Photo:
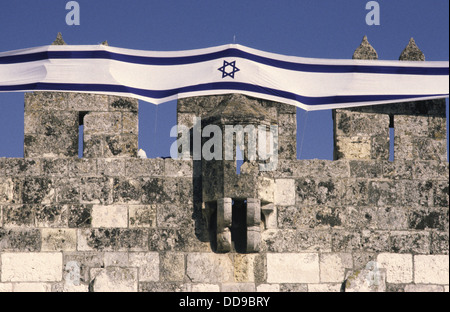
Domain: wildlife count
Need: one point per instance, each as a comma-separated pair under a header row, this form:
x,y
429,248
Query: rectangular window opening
x,y
81,134
391,137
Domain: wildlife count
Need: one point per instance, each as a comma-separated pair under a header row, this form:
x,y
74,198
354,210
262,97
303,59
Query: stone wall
x,y
113,222
130,224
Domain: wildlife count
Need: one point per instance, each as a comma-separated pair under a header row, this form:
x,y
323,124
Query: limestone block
x,y
15,167
18,216
296,241
59,240
266,190
148,264
32,287
20,239
417,242
112,167
103,123
130,123
423,288
114,279
245,266
110,216
268,288
79,216
6,190
116,259
178,168
6,287
87,102
120,145
145,167
37,101
369,279
238,287
293,268
38,191
333,266
399,267
112,239
172,266
324,288
284,192
431,269
209,268
55,167
97,190
205,288
142,216
82,167
31,267
123,104
353,148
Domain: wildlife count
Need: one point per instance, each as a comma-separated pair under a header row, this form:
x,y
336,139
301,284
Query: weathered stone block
x,y
37,101
51,216
296,241
113,239
124,104
102,123
423,288
399,267
439,243
293,268
20,240
333,266
130,123
31,267
82,167
148,264
172,267
410,242
369,279
431,269
115,216
16,167
67,190
145,167
97,190
84,261
38,191
59,240
209,268
87,102
120,145
142,216
284,192
238,287
111,167
375,241
114,279
79,216
55,167
18,216
324,288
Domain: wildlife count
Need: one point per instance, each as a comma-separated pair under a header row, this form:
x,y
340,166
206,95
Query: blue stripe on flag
x,y
160,94
232,52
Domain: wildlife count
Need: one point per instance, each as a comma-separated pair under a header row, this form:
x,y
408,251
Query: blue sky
x,y
307,28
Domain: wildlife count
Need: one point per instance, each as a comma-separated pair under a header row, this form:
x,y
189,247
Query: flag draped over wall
x,y
157,77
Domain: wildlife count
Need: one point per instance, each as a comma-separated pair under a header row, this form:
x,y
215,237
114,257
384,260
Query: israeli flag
x,y
157,77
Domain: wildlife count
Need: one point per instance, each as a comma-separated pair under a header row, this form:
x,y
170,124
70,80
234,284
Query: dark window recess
x,y
391,137
239,225
81,134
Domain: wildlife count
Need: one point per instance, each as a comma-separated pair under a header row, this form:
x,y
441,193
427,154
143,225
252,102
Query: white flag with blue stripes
x,y
157,77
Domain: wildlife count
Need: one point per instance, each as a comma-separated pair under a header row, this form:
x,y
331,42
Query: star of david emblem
x,y
226,73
